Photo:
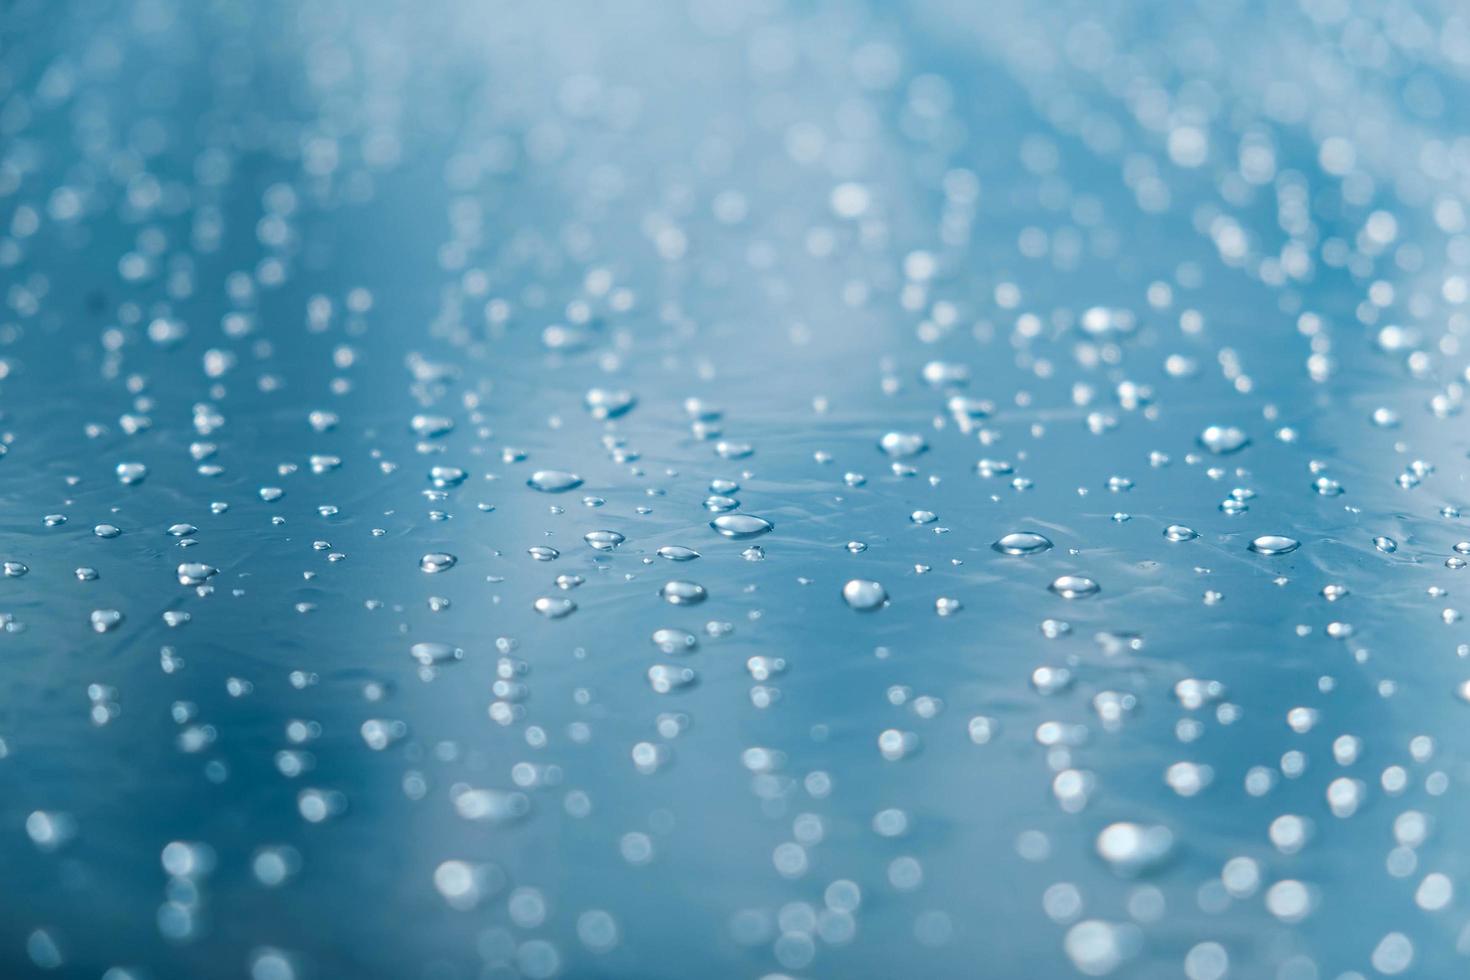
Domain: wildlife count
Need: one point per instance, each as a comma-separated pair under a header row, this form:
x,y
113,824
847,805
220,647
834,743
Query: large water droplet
x,y
554,481
1222,440
1022,543
682,593
741,525
665,678
131,473
604,403
195,573
105,620
902,445
671,640
429,426
445,477
864,595
1274,544
1132,849
555,607
1074,587
438,561
432,654
1180,532
674,552
603,540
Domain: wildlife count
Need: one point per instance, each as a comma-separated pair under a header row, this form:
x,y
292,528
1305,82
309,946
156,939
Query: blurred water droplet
x,y
1074,587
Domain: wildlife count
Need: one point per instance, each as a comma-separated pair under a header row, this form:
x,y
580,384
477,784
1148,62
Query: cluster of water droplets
x,y
694,510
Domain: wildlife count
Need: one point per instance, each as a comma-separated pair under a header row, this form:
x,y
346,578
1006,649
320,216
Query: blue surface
x,y
342,276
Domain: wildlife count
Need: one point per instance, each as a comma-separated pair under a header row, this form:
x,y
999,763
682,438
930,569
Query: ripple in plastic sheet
x,y
747,489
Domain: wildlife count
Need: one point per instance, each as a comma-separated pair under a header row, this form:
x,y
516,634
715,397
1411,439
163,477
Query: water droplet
x,y
942,374
1022,543
542,552
671,640
445,477
1327,486
1074,587
674,552
195,573
1132,849
433,654
1385,544
430,426
603,540
438,561
130,474
554,481
902,445
1274,544
741,525
1180,532
665,678
682,593
604,403
105,620
864,595
1222,440
555,607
